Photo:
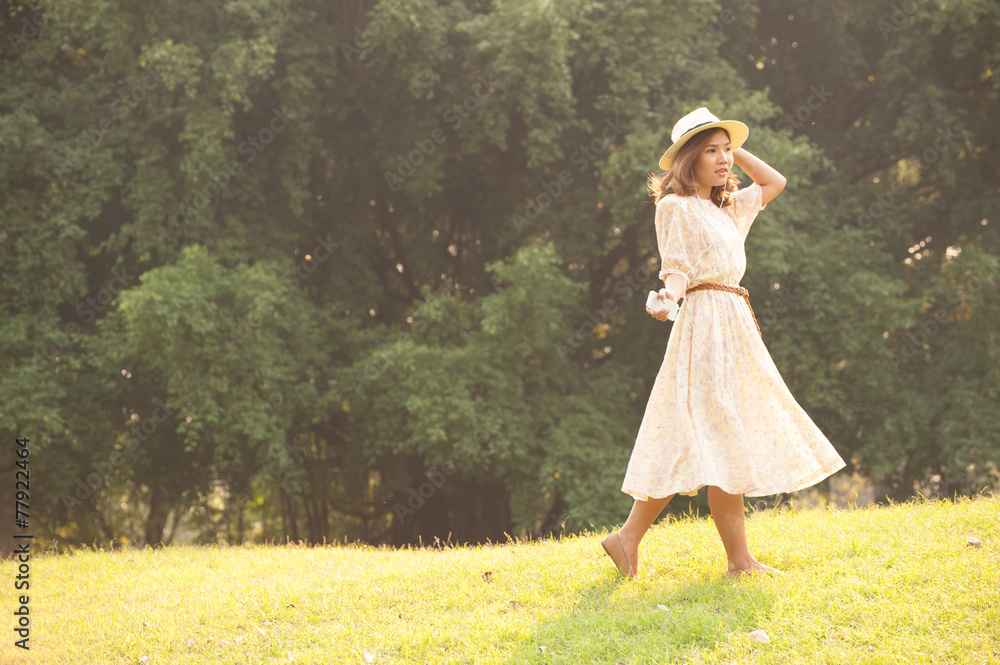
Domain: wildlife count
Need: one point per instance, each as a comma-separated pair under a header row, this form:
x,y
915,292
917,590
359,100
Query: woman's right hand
x,y
662,314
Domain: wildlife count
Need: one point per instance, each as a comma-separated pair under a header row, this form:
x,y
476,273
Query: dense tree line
x,y
321,271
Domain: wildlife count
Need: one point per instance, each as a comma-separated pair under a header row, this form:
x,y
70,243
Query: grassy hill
x,y
896,584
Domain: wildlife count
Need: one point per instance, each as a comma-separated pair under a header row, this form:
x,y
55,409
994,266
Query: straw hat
x,y
695,122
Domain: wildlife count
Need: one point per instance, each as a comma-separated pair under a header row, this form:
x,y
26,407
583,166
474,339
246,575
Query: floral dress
x,y
719,413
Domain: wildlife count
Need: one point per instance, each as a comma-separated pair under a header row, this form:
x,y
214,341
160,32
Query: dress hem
x,y
809,481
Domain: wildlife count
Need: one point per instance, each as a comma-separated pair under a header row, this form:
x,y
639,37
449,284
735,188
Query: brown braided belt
x,y
732,289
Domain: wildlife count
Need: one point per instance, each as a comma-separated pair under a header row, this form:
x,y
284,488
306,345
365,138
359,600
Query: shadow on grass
x,y
613,624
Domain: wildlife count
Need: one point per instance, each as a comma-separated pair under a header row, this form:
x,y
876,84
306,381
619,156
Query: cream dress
x,y
719,413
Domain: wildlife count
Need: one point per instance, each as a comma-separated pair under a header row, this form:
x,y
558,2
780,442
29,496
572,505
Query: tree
x,y
243,212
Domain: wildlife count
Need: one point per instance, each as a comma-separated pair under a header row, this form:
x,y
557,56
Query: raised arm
x,y
771,182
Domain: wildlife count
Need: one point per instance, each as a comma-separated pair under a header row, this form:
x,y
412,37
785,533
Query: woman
x,y
719,414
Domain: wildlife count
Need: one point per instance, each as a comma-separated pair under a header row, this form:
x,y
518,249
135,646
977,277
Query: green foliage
x,y
387,270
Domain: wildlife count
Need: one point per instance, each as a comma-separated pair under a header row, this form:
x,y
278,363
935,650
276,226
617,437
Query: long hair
x,y
680,180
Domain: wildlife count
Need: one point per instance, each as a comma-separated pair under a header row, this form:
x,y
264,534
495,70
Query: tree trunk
x,y
156,521
173,526
553,524
288,516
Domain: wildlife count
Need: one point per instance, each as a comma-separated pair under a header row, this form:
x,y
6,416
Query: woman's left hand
x,y
659,316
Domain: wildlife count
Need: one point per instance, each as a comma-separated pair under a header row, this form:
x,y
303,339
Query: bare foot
x,y
736,571
631,548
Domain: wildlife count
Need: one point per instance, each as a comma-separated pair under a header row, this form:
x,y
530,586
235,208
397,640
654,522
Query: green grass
x,y
895,584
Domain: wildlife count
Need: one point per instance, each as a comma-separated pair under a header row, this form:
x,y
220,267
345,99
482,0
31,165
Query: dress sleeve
x,y
746,205
674,240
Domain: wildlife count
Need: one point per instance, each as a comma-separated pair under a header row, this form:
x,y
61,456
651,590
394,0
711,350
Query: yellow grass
x,y
895,584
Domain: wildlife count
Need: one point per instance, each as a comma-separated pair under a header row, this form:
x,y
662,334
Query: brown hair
x,y
679,179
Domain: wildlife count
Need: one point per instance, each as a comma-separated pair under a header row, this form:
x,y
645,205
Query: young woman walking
x,y
719,414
